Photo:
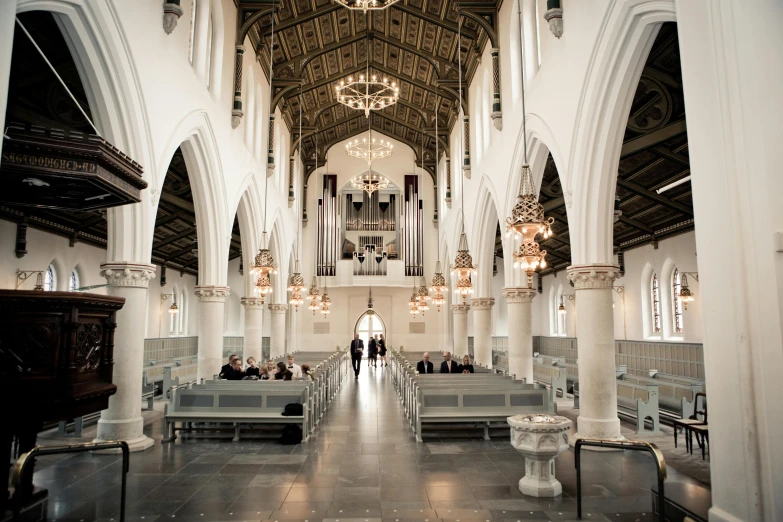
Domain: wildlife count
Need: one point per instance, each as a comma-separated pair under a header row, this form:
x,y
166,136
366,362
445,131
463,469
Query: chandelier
x,y
368,181
438,285
263,266
463,266
686,296
367,93
313,296
527,221
369,149
295,285
423,295
263,287
325,302
414,302
366,5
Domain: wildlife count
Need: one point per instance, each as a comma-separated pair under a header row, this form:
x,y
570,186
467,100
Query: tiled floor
x,y
363,465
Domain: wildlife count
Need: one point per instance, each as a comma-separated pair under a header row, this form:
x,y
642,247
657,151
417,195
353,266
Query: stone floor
x,y
363,465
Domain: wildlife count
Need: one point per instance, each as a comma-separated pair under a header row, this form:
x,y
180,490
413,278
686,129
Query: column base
x,y
605,429
140,444
536,487
129,430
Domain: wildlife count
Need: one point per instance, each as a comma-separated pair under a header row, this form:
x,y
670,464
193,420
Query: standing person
x,y
283,373
424,366
382,350
372,352
448,366
466,366
357,347
294,368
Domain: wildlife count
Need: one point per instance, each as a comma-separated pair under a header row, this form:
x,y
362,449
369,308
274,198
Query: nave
x,y
362,465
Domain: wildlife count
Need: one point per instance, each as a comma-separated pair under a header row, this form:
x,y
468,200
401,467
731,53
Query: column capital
x,y
212,294
519,295
593,276
460,308
277,308
482,303
128,274
252,303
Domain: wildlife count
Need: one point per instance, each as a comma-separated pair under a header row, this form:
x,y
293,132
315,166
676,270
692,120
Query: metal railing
x,y
649,447
22,482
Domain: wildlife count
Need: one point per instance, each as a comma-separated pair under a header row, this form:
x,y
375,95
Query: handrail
x,y
28,458
649,447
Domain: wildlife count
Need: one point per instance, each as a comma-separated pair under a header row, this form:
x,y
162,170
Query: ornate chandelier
x,y
295,285
686,296
263,266
366,5
463,266
414,302
369,149
438,285
314,296
325,302
367,93
368,181
423,295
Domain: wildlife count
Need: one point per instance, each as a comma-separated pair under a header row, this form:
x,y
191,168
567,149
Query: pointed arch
x,y
485,223
250,217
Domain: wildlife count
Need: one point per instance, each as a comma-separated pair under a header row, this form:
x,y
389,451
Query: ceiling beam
x,y
652,139
301,61
176,237
178,253
444,24
302,18
553,204
484,24
658,198
168,219
438,63
87,224
178,202
637,225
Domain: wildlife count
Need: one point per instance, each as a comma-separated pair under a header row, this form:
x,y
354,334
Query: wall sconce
x,y
173,309
24,275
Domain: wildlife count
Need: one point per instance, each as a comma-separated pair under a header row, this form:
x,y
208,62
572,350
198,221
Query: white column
x,y
200,38
277,340
7,26
482,330
732,99
520,332
530,39
254,318
211,313
460,312
122,420
595,341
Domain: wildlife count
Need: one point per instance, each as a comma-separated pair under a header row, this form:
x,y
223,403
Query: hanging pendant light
x,y
314,296
368,181
296,282
423,295
438,281
561,309
463,263
686,296
369,302
325,302
367,92
263,266
414,302
527,217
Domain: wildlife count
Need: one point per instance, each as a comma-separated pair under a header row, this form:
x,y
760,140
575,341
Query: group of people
x,y
447,366
376,348
281,371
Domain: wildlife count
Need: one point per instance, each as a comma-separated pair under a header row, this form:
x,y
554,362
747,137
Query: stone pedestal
x,y
595,339
254,319
460,312
539,438
122,420
210,329
482,330
520,332
277,340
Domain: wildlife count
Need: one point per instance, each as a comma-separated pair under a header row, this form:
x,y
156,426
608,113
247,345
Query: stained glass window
x,y
655,295
676,302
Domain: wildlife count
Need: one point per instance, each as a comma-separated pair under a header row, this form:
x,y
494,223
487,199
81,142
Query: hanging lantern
x,y
296,281
463,266
263,287
325,302
686,296
263,266
561,309
526,222
414,303
423,295
313,296
296,299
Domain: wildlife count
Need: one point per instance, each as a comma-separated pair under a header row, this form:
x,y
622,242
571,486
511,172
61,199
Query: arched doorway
x,y
368,325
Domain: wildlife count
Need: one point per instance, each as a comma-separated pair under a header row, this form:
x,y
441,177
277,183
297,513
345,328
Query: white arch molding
x,y
485,224
370,323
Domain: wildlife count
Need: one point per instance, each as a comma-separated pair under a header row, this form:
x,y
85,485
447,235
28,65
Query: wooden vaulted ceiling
x,y
654,154
317,43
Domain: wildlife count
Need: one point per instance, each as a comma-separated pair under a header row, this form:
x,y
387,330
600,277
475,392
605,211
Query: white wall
x,y
158,323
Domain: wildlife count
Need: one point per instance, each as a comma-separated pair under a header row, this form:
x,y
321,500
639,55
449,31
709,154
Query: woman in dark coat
x,y
382,350
283,374
466,367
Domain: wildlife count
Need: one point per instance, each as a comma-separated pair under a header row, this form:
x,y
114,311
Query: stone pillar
x,y
530,39
7,26
254,318
460,312
482,330
122,420
595,340
277,339
236,112
520,332
211,313
497,114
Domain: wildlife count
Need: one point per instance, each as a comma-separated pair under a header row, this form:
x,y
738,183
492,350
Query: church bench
x,y
677,379
641,402
674,399
551,376
479,406
232,406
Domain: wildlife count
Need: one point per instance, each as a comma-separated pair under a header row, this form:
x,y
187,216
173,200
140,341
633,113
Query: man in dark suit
x,y
448,366
425,366
235,373
227,367
357,347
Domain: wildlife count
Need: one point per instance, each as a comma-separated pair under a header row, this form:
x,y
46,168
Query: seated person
x,y
448,366
294,368
252,368
307,373
466,367
235,373
283,373
271,369
263,374
227,367
425,366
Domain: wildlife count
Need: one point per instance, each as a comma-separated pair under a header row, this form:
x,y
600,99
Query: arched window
x,y
560,312
368,325
74,283
183,313
676,302
50,279
552,312
655,304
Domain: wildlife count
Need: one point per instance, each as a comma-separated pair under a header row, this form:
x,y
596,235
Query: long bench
x,y
640,402
676,400
238,407
551,376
